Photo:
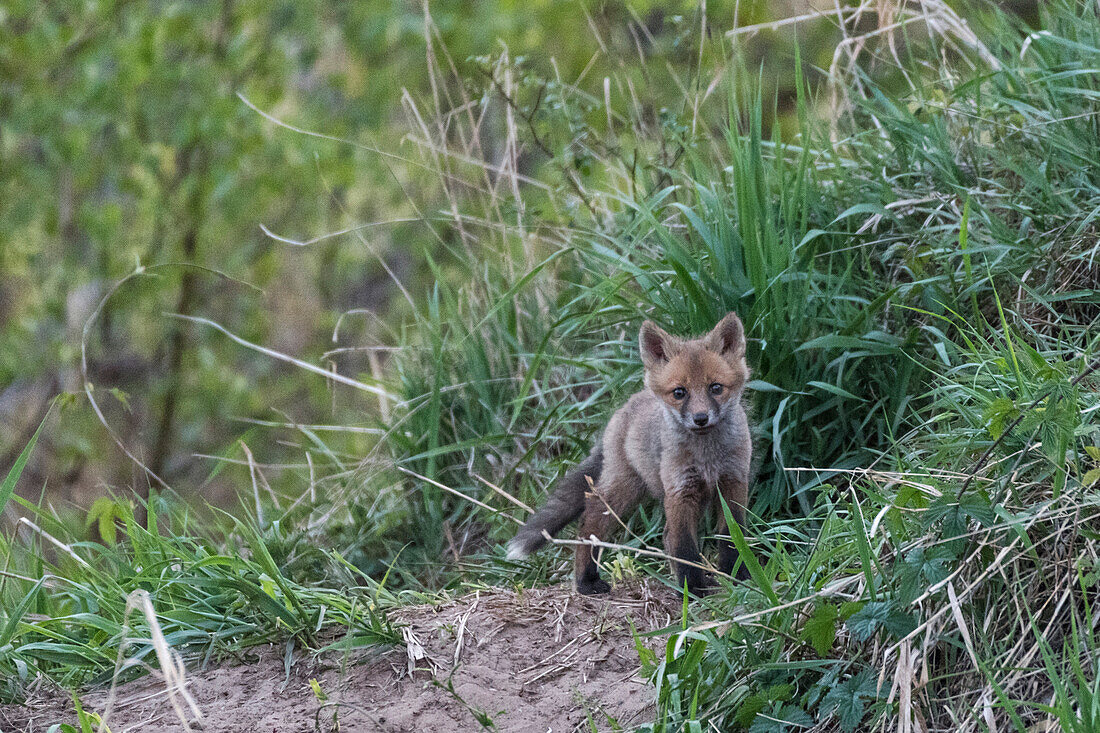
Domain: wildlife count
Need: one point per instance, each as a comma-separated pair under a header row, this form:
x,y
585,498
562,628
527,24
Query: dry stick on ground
x,y
505,494
592,491
593,541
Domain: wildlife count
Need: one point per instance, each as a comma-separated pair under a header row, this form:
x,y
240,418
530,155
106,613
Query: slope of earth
x,y
535,660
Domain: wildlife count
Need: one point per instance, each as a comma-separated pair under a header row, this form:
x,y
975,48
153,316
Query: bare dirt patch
x,y
536,660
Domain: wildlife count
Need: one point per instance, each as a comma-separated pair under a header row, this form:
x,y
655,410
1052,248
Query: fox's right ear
x,y
657,346
728,337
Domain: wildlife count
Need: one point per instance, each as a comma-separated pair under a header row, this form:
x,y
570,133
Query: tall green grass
x,y
918,280
858,263
216,591
918,276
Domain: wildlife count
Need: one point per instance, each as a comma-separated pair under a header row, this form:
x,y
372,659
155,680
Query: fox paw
x,y
702,590
698,583
595,587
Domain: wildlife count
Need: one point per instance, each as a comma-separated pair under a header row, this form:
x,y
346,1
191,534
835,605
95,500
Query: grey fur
x,y
564,505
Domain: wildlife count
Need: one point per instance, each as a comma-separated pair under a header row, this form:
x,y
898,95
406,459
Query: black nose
x,y
700,418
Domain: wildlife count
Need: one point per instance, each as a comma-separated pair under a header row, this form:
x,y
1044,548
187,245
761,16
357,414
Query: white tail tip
x,y
516,550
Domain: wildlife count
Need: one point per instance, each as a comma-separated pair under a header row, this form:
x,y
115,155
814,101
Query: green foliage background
x,y
126,142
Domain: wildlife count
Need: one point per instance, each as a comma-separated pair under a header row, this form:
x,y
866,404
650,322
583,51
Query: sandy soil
x,y
539,660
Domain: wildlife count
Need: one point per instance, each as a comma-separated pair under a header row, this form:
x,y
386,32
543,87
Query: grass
x,y
211,597
917,274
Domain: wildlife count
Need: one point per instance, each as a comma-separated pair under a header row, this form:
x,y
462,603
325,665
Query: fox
x,y
683,440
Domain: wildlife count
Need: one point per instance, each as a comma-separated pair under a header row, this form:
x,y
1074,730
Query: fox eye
x,y
679,393
716,388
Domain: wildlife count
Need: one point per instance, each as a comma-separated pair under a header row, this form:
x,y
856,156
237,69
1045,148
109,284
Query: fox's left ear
x,y
657,346
728,337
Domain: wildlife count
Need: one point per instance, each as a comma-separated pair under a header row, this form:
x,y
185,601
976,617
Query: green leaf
x,y
997,413
751,563
65,654
122,397
838,341
1091,477
785,719
820,629
749,709
977,507
923,566
83,718
955,515
835,390
848,699
758,701
16,614
885,615
864,208
104,511
8,486
863,545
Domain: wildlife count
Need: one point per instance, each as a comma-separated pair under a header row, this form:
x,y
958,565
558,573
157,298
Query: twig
x,y
377,391
458,493
505,494
593,541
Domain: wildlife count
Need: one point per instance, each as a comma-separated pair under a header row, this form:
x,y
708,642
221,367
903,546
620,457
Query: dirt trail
x,y
538,660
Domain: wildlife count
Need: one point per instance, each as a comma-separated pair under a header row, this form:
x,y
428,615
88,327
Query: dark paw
x,y
742,573
698,583
594,587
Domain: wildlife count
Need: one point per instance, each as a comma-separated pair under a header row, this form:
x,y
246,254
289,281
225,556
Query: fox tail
x,y
563,506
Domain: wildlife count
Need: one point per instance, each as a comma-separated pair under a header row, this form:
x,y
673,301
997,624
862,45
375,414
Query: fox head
x,y
697,380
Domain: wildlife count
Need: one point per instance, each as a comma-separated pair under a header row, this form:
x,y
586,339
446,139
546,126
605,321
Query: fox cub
x,y
681,439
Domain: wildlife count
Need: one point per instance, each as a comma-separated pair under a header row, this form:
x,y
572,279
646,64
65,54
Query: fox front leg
x,y
683,509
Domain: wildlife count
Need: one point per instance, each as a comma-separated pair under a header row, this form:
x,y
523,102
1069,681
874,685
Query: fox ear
x,y
656,345
728,337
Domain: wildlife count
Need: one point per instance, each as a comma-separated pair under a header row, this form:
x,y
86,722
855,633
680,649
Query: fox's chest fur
x,y
667,457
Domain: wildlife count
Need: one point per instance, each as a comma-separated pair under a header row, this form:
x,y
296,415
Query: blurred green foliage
x,y
126,142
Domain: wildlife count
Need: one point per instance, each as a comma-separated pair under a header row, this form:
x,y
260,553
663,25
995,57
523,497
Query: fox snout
x,y
697,420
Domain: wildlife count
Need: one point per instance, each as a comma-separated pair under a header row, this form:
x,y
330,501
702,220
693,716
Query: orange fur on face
x,y
695,379
696,368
